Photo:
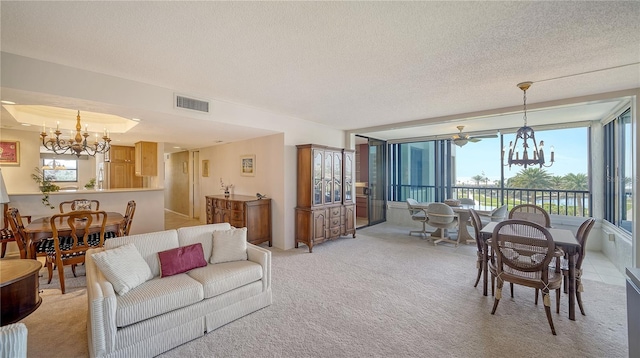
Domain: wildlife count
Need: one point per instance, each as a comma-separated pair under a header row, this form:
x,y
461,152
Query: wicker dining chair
x,y
477,226
523,251
70,247
531,212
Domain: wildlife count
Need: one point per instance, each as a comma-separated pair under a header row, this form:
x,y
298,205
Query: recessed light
x,y
176,147
26,124
7,102
135,119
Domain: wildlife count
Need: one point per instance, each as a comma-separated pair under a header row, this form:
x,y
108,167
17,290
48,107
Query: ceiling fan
x,y
460,139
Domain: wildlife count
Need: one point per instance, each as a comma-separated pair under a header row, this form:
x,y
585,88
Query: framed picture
x,y
248,165
10,152
205,168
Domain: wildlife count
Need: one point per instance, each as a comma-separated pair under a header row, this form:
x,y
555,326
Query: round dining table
x,y
40,229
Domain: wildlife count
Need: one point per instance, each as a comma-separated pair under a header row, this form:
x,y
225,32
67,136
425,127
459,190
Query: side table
x,y
19,286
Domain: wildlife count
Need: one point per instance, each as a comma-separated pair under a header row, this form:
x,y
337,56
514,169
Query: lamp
x,y
76,145
527,135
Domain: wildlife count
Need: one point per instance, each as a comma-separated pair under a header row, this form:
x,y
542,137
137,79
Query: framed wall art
x,y
9,152
205,168
248,165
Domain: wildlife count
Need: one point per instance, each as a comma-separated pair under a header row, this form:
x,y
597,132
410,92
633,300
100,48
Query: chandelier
x,y
77,145
528,138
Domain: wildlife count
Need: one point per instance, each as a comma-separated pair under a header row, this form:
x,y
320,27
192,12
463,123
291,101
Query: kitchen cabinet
x,y
122,168
146,159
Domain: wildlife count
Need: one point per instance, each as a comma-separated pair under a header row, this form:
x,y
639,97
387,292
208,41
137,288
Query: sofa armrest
x,y
101,320
261,256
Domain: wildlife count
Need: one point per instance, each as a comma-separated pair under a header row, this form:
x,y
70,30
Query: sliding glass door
x,y
377,204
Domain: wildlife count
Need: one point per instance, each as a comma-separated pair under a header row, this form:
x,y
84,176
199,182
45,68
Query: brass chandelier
x,y
77,145
527,136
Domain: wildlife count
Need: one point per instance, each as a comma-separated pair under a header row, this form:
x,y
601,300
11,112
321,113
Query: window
x,y
618,158
420,170
60,170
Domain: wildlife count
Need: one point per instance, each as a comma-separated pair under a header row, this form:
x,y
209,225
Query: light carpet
x,y
383,294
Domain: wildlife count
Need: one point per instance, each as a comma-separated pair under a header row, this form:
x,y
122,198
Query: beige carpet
x,y
388,295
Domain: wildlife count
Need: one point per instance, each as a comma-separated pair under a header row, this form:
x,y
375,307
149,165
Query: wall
x,y
177,183
18,177
76,85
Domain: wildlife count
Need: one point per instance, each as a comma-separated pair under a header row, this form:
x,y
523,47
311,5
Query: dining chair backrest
x,y
128,218
79,204
17,230
410,204
581,236
476,222
440,213
532,213
525,247
467,201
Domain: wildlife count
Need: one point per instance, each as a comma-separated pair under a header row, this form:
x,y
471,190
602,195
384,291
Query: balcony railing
x,y
554,201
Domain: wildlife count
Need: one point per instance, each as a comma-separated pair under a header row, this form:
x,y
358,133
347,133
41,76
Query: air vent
x,y
192,103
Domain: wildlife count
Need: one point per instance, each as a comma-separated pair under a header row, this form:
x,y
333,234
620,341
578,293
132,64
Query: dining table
x,y
563,238
463,214
40,229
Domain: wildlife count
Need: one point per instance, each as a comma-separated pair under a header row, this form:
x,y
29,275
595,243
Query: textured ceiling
x,y
345,64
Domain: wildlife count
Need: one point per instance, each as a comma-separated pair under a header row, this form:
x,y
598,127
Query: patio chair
x,y
497,214
417,214
441,216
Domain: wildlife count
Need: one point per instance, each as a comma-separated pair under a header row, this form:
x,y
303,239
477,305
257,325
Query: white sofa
x,y
163,313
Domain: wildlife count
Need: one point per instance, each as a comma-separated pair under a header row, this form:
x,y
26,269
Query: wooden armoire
x,y
326,202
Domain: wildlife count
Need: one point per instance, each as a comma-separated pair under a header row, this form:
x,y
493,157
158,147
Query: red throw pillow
x,y
181,259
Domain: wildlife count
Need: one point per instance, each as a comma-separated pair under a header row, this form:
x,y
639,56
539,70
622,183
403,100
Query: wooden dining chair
x,y
41,248
7,234
531,212
79,204
523,251
128,219
73,235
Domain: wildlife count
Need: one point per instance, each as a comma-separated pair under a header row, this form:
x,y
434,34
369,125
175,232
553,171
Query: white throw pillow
x,y
229,245
124,267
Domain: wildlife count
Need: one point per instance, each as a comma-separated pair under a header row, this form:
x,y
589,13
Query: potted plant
x,y
46,186
91,184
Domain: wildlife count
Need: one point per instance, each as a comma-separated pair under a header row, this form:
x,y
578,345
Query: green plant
x,y
91,184
46,186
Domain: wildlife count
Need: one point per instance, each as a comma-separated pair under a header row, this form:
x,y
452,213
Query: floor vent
x,y
192,103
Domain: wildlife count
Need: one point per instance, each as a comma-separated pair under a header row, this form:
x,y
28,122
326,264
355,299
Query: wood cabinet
x,y
146,159
122,168
242,211
325,198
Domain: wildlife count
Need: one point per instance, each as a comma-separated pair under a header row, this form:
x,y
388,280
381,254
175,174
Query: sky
x,y
570,155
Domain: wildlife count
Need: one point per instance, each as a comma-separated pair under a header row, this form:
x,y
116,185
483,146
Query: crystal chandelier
x,y
527,136
77,145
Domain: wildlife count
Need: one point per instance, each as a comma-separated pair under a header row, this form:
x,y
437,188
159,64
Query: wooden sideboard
x,y
242,211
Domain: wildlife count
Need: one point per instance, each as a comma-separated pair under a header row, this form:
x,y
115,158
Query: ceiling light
x,y
76,145
527,135
7,102
135,119
26,124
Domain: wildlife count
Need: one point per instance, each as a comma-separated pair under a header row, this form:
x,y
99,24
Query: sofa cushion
x,y
148,245
229,245
157,296
220,278
200,234
181,259
124,267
